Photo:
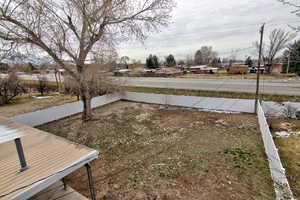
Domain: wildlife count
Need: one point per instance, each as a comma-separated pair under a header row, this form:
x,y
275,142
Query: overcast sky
x,y
223,24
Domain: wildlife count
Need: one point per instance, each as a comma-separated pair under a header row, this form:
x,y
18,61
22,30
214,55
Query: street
x,y
284,87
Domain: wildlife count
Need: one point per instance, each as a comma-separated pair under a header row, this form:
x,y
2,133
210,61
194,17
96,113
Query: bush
x,y
10,87
42,84
99,84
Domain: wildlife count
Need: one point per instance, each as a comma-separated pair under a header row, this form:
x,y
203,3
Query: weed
x,y
241,159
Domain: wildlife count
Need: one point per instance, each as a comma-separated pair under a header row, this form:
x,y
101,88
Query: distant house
x,y
277,68
238,69
169,70
121,69
117,67
203,69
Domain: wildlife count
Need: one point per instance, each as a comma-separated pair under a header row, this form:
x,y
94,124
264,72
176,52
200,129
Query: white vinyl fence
x,y
282,188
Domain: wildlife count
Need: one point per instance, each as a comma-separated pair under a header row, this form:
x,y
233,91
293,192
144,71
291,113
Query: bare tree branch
x,y
78,29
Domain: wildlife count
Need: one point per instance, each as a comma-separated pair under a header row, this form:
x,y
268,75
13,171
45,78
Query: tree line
x,y
204,56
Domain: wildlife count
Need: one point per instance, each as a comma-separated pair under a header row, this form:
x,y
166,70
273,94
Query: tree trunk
x,y
86,99
57,84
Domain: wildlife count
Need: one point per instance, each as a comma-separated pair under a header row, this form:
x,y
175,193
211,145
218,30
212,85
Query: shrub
x,y
10,87
42,84
99,84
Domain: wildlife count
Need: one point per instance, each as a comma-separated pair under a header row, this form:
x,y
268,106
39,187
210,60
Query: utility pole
x,y
258,69
289,60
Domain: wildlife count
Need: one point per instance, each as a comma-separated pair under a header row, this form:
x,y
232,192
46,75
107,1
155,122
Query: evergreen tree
x,y
155,62
294,51
249,62
149,62
170,61
152,62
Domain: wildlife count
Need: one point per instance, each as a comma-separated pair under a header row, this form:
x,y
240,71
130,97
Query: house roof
x,y
49,158
198,67
169,70
204,67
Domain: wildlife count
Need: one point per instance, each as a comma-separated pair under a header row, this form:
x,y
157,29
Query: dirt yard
x,y
289,150
25,104
170,153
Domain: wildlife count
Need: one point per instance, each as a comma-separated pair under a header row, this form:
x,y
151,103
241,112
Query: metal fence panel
x,y
59,112
209,103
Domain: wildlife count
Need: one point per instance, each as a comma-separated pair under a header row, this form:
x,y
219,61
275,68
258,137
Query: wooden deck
x,y
57,192
50,158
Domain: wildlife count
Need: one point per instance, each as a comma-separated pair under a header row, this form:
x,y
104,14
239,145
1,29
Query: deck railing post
x,y
91,182
21,155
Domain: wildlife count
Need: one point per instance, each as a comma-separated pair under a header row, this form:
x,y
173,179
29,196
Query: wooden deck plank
x,y
46,155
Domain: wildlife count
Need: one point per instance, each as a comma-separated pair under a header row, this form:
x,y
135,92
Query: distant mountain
x,y
25,59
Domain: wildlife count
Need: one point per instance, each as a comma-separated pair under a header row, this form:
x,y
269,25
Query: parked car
x,y
297,114
121,72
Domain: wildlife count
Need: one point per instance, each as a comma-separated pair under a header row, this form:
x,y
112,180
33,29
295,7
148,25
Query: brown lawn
x,y
24,104
169,153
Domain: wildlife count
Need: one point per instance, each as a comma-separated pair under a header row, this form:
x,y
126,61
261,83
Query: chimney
x,y
21,155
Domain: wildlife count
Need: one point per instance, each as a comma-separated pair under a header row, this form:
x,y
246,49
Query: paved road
x,y
287,87
50,77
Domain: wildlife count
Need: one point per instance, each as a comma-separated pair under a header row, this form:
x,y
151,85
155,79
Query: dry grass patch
x,y
289,151
169,153
218,94
25,104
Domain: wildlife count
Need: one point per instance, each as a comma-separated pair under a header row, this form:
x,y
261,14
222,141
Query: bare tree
x,y
278,40
99,84
74,30
293,5
189,60
10,87
124,60
205,55
7,48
